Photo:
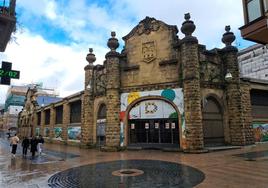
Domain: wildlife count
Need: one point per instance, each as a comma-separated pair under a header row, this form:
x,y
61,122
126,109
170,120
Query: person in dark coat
x,y
25,145
34,143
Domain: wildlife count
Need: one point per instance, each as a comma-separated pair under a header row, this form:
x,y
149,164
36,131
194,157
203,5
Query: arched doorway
x,y
153,123
212,122
101,122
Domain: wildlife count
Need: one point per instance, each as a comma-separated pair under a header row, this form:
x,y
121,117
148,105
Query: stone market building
x,y
160,91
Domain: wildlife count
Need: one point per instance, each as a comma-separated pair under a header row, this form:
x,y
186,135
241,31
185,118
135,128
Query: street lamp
x,y
228,76
89,85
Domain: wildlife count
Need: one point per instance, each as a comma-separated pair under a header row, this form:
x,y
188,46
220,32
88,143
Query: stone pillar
x,y
33,125
66,120
238,97
191,88
42,124
88,103
112,96
52,121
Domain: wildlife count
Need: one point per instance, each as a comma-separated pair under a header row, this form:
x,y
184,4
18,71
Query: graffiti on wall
x,y
37,131
74,133
153,108
46,132
260,132
58,132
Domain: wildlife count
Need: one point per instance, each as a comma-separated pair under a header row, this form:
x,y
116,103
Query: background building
x,y
253,62
15,101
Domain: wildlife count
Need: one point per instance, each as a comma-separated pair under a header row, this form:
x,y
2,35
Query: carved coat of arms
x,y
148,51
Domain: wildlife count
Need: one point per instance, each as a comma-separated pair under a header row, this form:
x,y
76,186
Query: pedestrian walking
x,y
40,144
34,143
14,140
25,145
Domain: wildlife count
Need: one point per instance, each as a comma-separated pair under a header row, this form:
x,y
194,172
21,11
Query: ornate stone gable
x,y
147,49
148,25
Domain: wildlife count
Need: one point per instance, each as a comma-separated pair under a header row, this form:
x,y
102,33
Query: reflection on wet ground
x,y
47,155
155,174
253,156
24,169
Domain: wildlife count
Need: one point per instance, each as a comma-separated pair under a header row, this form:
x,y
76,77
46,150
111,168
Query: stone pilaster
x,y
237,96
113,96
52,121
247,114
191,88
66,120
42,124
33,125
88,103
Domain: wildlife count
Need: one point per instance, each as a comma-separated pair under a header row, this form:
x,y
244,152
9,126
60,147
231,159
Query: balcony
x,y
256,21
7,22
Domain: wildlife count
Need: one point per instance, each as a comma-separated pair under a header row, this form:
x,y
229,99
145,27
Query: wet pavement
x,y
67,166
134,173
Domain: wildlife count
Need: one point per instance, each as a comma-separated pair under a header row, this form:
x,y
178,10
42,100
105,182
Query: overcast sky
x,y
53,36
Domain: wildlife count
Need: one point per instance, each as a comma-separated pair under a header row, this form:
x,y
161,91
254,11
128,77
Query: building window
x,y
39,118
59,112
47,117
75,116
254,9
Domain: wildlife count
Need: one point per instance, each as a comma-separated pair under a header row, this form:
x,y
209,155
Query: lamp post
x,y
228,76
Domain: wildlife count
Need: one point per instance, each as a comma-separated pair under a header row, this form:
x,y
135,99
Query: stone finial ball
x,y
90,56
113,42
228,37
188,26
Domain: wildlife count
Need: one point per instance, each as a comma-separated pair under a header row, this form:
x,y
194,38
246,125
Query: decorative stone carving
x,y
148,51
99,80
148,25
210,72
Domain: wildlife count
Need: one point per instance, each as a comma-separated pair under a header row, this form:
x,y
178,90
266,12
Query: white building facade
x,y
253,62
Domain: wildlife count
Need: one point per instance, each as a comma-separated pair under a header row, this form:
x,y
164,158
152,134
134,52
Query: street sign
x,y
6,73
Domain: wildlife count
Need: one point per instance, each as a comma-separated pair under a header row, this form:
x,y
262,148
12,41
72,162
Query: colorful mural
x,y
153,108
260,132
74,133
58,132
46,132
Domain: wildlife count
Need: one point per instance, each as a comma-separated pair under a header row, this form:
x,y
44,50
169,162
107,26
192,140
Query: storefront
x,y
153,118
